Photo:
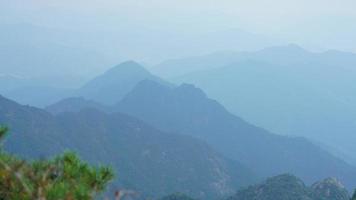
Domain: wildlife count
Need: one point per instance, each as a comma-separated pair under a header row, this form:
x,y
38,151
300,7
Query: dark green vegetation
x,y
288,187
145,159
64,177
330,189
354,196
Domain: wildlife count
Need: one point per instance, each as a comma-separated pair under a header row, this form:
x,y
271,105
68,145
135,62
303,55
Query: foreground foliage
x,y
64,177
354,196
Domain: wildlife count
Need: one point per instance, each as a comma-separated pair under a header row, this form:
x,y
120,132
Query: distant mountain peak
x,y
74,104
152,88
115,83
290,48
127,66
191,90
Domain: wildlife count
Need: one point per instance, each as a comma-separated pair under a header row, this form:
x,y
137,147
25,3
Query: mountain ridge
x,y
289,187
187,110
146,159
121,79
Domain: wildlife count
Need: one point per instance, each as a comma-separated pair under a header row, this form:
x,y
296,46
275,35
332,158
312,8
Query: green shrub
x,y
63,177
354,196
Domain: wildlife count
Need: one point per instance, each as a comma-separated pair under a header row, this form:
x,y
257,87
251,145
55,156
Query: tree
x,y
354,196
63,177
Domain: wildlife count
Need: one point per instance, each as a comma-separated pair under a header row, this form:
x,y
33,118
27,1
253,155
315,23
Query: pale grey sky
x,y
324,23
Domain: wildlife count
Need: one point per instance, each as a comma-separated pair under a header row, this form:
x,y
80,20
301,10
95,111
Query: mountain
x,y
289,187
145,159
286,90
74,104
176,196
280,55
106,89
111,86
174,68
187,110
330,189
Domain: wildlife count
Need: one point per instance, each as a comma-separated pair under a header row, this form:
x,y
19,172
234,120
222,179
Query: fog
x,y
314,24
214,99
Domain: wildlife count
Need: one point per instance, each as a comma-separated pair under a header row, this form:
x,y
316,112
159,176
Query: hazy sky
x,y
325,23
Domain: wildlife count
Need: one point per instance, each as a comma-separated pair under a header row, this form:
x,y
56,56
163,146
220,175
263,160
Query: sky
x,y
318,24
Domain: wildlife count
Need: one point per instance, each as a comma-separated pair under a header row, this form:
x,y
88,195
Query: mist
x,y
178,100
316,25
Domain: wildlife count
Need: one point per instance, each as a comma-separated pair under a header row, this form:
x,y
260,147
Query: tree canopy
x,y
63,177
354,196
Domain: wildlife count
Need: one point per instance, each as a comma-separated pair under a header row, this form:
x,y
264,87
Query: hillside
x,y
187,110
147,160
74,104
107,88
289,187
287,90
115,83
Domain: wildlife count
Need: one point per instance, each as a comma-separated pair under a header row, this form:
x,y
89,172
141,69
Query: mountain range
x,y
107,88
145,159
175,125
287,90
115,83
187,110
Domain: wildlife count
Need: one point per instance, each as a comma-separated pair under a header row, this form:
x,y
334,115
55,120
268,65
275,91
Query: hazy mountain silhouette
x,y
111,86
280,55
107,88
286,90
187,110
96,47
145,159
75,104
